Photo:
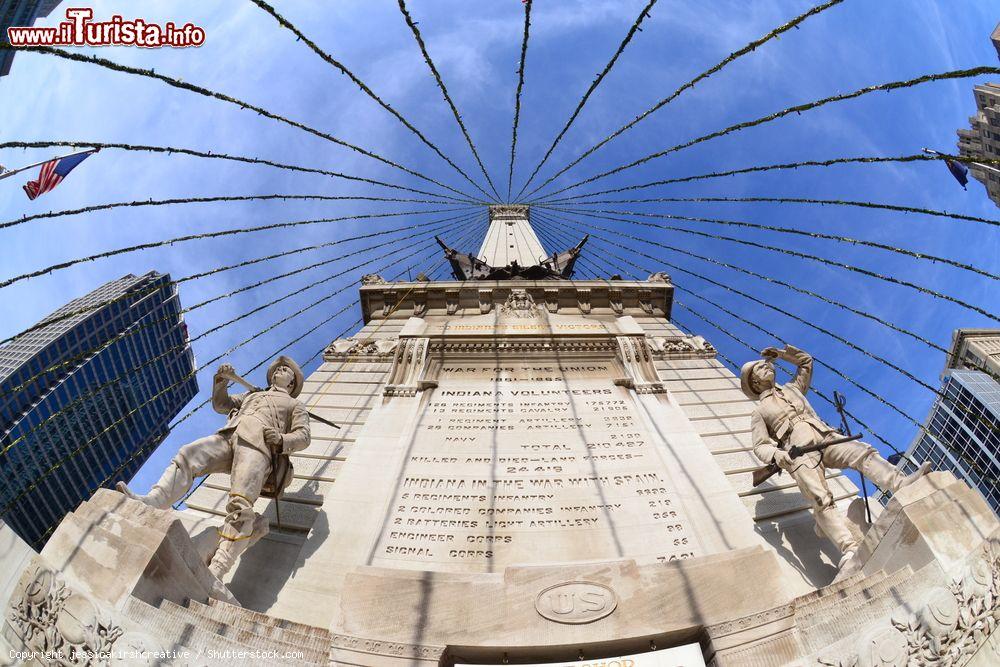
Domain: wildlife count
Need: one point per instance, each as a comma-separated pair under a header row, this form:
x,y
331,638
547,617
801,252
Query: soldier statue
x,y
264,427
783,418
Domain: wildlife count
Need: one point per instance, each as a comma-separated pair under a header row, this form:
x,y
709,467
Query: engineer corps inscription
x,y
530,462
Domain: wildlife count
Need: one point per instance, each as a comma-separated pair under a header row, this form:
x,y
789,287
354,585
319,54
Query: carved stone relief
x,y
687,346
636,357
409,369
946,631
344,347
52,619
519,305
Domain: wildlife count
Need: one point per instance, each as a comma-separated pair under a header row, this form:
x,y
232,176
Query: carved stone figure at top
x,y
519,304
263,428
784,418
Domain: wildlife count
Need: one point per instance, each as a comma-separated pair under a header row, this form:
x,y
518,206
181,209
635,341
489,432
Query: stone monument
x,y
530,469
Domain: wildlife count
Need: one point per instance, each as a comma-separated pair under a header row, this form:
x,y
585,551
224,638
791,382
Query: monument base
x,y
122,580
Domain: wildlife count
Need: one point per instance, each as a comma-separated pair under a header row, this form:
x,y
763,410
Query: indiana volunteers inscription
x,y
532,462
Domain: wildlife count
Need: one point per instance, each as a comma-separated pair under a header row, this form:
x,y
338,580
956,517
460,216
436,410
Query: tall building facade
x,y
20,13
982,140
963,428
88,395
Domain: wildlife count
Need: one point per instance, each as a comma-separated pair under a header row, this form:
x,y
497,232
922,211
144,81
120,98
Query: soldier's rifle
x,y
764,473
252,387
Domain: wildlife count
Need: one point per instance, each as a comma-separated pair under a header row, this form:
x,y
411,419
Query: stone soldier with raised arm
x,y
263,428
783,418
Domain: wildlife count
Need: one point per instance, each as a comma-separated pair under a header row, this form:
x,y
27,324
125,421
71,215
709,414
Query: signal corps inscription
x,y
531,463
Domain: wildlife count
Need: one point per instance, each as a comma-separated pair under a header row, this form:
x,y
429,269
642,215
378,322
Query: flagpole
x,y
6,174
978,164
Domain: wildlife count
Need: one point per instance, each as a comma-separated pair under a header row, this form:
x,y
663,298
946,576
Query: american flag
x,y
53,172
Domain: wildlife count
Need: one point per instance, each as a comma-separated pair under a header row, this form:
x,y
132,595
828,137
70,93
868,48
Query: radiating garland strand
x,y
593,86
177,83
205,235
517,94
749,48
202,200
793,230
799,108
169,150
815,258
772,280
444,91
285,23
797,200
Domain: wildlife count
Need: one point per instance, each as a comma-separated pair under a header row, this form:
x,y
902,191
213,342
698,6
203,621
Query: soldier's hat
x,y
287,361
745,374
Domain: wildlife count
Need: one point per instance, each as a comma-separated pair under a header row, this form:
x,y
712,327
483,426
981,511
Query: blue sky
x,y
476,47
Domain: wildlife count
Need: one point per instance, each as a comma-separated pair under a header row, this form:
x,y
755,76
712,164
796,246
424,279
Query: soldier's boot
x,y
834,526
235,535
887,476
173,484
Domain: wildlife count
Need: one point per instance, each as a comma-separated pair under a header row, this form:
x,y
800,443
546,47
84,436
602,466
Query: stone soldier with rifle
x,y
784,419
263,428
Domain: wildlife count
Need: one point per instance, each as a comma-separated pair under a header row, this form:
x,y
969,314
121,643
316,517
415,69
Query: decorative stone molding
x,y
523,346
373,279
409,369
615,300
389,298
519,305
552,300
485,301
451,301
419,303
658,277
635,355
583,299
379,647
645,300
682,347
946,631
52,619
367,347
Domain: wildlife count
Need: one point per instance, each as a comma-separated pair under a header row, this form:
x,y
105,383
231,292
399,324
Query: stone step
x,y
807,604
262,636
876,598
181,633
864,610
238,638
259,617
268,626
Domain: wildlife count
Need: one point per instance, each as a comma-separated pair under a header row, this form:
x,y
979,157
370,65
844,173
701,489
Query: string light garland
x,y
749,48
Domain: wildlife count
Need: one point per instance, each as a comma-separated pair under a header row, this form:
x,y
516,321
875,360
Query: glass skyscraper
x,y
963,428
86,396
19,13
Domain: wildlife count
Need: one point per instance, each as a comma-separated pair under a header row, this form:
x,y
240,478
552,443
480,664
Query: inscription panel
x,y
531,463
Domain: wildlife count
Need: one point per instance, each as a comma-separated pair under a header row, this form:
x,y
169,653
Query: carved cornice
x,y
404,299
367,349
688,347
546,346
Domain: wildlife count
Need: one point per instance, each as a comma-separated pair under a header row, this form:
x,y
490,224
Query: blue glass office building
x,y
20,13
962,431
86,396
